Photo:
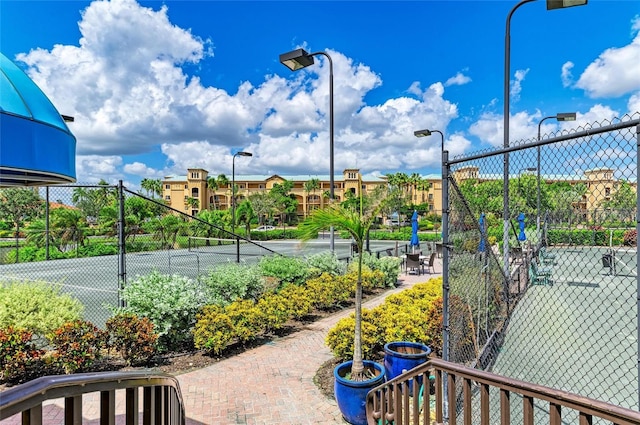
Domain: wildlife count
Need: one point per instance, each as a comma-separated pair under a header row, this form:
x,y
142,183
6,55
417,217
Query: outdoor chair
x,y
539,275
546,257
431,263
413,263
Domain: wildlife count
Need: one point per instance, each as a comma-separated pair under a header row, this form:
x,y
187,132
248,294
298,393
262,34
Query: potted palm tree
x,y
354,378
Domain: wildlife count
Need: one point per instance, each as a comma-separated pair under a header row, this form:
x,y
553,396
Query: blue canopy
x,y
521,235
414,242
37,146
481,246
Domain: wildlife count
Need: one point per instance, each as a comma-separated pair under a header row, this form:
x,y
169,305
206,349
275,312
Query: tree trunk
x,y
357,367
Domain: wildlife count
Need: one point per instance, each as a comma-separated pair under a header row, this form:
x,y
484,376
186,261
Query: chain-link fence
x,y
76,240
564,312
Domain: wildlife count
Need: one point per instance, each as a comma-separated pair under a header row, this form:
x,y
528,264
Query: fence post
x,y
46,225
445,269
122,272
638,257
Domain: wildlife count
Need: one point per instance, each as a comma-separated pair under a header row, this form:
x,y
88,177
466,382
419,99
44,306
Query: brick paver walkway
x,y
270,384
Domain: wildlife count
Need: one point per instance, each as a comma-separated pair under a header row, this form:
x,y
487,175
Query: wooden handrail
x,y
162,397
389,399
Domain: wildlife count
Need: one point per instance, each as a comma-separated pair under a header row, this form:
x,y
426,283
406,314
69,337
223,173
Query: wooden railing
x,y
393,403
161,397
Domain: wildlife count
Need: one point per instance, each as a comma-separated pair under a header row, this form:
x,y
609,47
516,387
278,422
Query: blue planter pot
x,y
351,396
402,356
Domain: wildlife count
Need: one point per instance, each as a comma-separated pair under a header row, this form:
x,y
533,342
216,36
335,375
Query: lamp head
x,y
561,4
566,116
296,59
243,154
422,133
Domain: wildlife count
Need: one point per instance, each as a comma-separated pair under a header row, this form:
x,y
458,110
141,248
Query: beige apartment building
x,y
181,192
191,194
601,183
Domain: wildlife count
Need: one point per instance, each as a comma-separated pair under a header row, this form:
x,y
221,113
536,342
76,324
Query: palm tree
x,y
357,223
245,213
311,185
212,184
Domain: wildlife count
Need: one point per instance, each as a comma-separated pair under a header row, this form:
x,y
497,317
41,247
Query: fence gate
x,y
564,313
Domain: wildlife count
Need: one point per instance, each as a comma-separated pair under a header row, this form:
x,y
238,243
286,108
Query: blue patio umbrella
x,y
37,146
414,242
521,235
481,246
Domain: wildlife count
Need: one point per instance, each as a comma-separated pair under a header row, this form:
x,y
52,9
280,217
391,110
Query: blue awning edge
x,y
36,146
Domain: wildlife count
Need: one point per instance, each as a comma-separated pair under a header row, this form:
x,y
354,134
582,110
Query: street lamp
x,y
551,4
233,188
298,59
425,133
562,116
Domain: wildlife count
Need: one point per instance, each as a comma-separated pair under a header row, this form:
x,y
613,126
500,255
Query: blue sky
x,y
156,87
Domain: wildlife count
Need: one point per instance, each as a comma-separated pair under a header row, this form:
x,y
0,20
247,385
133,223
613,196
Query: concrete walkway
x,y
270,384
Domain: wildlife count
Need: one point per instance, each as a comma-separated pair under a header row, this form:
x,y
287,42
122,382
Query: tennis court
x,y
580,333
94,280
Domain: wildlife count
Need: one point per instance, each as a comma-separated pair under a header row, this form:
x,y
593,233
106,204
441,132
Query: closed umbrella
x,y
521,235
414,242
481,246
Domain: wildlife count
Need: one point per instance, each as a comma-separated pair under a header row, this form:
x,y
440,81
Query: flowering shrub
x,y
630,237
133,337
325,262
37,306
285,269
77,345
230,282
171,302
213,330
18,354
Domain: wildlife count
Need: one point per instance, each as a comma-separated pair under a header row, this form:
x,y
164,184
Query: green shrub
x,y
405,316
77,345
327,291
325,262
133,337
213,330
275,310
300,304
18,354
246,319
340,337
371,279
37,306
285,269
171,302
231,282
389,266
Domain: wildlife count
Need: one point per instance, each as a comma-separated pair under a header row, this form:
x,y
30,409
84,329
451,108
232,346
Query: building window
x,y
195,175
167,186
607,191
186,186
194,192
364,187
430,207
430,197
167,197
261,186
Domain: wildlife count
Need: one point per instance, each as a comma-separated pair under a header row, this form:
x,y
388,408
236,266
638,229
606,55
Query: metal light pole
x,y
298,59
445,256
551,4
233,188
563,116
